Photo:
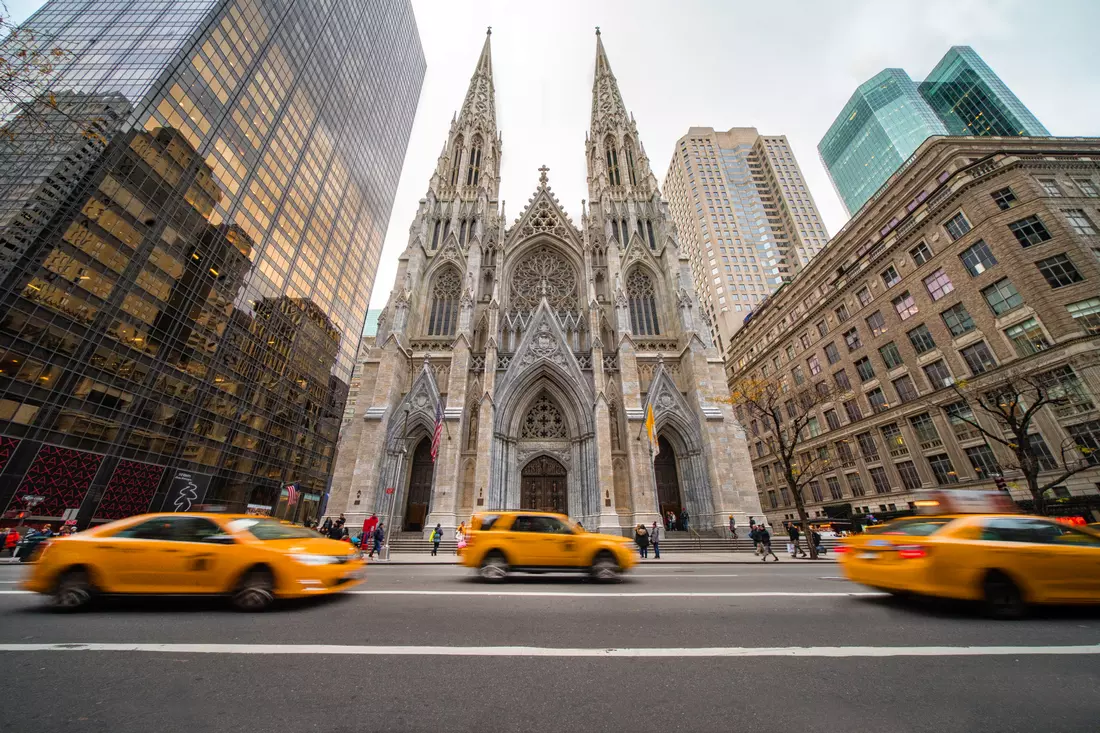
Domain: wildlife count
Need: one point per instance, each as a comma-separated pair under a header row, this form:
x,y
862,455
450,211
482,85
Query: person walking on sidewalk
x,y
379,537
754,535
655,538
369,524
766,544
460,537
733,527
641,537
437,537
684,520
792,534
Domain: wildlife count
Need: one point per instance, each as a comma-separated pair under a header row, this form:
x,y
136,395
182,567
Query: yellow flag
x,y
651,430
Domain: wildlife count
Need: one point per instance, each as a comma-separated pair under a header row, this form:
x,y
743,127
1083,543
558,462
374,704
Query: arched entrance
x,y
420,486
543,486
668,482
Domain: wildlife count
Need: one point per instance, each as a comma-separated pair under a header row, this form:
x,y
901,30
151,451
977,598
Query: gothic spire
x,y
479,109
608,109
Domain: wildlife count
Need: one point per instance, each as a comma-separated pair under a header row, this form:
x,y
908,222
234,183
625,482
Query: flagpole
x,y
653,474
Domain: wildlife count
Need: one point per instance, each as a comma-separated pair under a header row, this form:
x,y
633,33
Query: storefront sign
x,y
186,491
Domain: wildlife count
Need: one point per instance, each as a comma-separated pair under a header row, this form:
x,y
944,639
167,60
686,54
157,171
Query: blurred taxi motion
x,y
252,560
974,545
542,542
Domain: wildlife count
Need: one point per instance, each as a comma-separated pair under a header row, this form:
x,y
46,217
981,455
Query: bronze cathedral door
x,y
543,486
420,486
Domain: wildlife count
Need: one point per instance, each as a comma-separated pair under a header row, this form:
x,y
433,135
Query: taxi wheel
x,y
494,568
1002,597
73,591
256,591
605,568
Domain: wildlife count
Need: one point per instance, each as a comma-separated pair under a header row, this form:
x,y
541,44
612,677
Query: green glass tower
x,y
881,126
972,100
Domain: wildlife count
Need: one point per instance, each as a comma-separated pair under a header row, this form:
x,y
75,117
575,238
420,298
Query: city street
x,y
674,647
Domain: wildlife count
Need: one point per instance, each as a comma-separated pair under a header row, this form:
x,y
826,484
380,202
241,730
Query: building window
x,y
864,369
890,277
978,357
1028,337
786,496
1086,313
1004,198
834,488
961,416
474,170
1087,435
956,226
844,453
814,365
832,354
649,233
920,254
910,479
938,374
841,314
1063,384
891,357
1050,187
444,313
1079,222
983,461
867,447
864,295
814,427
921,339
855,483
804,339
832,419
1041,452
1087,187
907,391
773,499
456,169
895,444
879,480
1002,296
612,156
852,339
842,380
1059,271
958,320
1030,231
942,469
905,305
790,352
851,409
877,323
938,284
796,372
877,398
978,258
822,329
925,430
643,304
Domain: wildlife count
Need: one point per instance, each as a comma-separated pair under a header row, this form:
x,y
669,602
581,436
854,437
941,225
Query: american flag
x,y
291,494
437,433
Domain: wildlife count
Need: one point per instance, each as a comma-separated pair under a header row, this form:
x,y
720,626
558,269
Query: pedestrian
x,y
379,536
766,544
460,537
437,537
671,520
369,524
793,546
733,527
11,540
754,535
684,520
655,538
815,537
327,526
641,537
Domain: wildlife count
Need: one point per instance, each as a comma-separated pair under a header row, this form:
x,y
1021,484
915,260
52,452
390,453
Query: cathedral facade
x,y
537,347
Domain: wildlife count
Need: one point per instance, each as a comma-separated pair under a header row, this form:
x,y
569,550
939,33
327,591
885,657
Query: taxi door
x,y
142,558
1019,546
211,558
1076,559
561,546
524,541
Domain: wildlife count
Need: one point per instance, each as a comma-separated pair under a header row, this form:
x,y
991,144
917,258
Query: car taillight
x,y
912,552
841,549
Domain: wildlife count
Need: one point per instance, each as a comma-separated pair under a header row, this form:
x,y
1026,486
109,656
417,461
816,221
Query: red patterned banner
x,y
130,490
61,476
7,447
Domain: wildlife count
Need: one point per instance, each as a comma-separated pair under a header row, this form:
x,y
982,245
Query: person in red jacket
x,y
368,526
11,540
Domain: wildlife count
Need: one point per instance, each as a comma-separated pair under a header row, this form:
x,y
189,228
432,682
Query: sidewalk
x,y
667,558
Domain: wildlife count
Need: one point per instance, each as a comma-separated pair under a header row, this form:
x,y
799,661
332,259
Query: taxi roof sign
x,y
965,501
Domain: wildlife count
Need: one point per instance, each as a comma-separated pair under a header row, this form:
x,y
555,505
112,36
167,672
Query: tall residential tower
x,y
745,217
187,264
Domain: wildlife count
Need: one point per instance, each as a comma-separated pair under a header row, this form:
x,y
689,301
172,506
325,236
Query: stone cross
x,y
543,178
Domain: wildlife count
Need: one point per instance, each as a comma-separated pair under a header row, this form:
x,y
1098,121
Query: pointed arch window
x,y
444,314
463,231
474,170
612,161
649,230
456,169
630,163
643,304
435,233
544,421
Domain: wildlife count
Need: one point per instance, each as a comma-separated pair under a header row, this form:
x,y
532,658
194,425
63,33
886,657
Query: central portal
x,y
543,486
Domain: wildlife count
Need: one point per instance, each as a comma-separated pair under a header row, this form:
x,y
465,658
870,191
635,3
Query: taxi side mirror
x,y
220,539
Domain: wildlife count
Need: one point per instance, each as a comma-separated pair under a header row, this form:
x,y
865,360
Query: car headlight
x,y
315,559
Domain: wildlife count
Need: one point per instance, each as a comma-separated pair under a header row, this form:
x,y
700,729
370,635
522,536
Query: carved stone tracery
x,y
543,421
544,273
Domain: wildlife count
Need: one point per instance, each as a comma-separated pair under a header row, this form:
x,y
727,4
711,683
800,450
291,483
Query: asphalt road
x,y
673,648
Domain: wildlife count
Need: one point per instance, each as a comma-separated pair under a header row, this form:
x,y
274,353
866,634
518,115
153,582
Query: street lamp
x,y
398,471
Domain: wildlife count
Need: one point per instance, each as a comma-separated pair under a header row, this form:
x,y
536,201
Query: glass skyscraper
x,y
190,223
889,116
972,100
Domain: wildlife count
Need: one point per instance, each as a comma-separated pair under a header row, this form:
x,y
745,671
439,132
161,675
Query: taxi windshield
x,y
269,529
913,527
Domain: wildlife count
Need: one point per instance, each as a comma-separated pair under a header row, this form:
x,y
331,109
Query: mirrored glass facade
x,y
189,230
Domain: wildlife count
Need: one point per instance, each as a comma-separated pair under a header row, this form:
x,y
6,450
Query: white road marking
x,y
682,575
606,594
14,592
531,651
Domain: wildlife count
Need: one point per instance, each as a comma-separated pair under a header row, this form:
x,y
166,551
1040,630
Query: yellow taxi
x,y
541,542
973,545
251,559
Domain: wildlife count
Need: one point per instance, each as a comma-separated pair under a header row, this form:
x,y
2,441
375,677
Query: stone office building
x,y
984,256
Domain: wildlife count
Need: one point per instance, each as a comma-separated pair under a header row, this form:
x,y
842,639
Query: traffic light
x,y
1000,482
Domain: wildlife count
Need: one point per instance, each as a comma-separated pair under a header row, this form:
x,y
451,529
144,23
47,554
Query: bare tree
x,y
1010,405
782,421
28,65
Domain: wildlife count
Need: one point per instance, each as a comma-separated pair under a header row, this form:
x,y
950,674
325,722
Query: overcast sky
x,y
785,67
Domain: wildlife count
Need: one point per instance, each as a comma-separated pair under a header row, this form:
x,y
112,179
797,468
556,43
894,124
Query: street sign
x,y
389,489
71,514
33,498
